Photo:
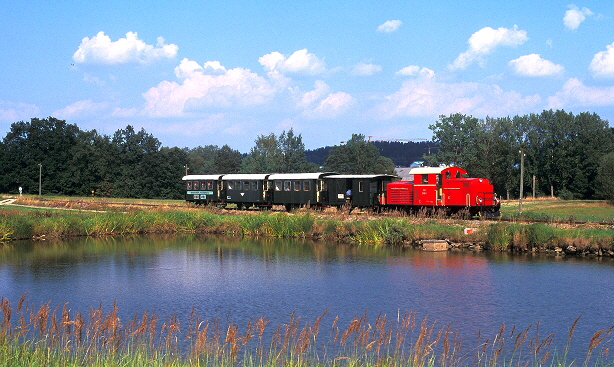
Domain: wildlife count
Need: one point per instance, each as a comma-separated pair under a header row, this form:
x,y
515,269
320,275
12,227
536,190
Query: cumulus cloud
x,y
602,64
300,62
210,85
80,109
415,70
101,50
389,26
364,69
426,97
534,65
13,112
321,104
575,94
485,41
574,16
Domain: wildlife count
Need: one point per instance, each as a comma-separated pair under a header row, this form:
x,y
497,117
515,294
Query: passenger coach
x,y
203,189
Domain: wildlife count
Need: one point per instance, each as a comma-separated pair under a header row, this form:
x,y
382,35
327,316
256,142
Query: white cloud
x,y
13,112
101,50
389,26
364,69
602,64
415,70
321,104
574,16
575,94
426,97
80,109
534,65
300,62
235,87
485,41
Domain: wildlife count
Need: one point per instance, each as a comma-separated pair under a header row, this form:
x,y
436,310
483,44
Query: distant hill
x,y
401,153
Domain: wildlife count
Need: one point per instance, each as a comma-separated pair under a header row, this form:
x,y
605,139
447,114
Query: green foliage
x,y
605,178
272,154
499,236
562,150
358,156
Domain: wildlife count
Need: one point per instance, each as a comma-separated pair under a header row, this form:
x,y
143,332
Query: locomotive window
x,y
457,174
361,187
287,185
277,185
425,179
448,175
254,185
306,185
297,185
189,185
245,185
438,178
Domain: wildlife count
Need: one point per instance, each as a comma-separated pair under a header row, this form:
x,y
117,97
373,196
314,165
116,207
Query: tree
x,y
227,160
605,177
358,156
271,154
200,160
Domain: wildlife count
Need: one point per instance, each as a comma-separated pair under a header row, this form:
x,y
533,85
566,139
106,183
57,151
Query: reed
x,y
56,336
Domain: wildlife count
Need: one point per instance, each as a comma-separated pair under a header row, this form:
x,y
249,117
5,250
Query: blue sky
x,y
206,72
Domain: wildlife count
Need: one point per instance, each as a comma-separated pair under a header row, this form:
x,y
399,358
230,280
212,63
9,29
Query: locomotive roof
x,y
201,177
363,176
300,176
246,176
431,170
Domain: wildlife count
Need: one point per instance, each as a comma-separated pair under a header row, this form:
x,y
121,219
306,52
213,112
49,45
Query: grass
x,y
598,211
56,336
393,229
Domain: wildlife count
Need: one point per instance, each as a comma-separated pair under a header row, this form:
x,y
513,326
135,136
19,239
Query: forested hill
x,y
401,153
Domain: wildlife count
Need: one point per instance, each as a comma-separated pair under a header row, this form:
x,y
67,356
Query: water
x,y
235,280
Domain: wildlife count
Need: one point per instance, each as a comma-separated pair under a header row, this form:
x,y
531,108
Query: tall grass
x,y
394,230
45,336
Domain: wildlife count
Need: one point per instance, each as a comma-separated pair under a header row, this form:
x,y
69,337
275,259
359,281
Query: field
x,y
565,210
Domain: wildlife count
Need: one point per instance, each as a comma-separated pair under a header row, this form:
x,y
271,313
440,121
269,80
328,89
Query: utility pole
x,y
521,180
40,178
186,169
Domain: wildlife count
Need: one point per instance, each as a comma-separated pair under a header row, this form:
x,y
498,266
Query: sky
x,y
208,72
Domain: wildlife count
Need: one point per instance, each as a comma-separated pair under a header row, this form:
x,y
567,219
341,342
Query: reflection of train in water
x,y
428,188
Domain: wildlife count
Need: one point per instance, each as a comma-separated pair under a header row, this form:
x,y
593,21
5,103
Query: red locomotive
x,y
443,188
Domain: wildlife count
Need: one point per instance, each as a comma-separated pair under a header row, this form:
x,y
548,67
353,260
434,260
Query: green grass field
x,y
577,210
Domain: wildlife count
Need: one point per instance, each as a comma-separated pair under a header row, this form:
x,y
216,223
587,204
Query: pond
x,y
237,279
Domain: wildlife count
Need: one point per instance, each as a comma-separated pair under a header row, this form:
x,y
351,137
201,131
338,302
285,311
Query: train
x,y
445,189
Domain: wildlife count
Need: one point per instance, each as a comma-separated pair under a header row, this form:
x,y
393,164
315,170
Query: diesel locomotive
x,y
444,189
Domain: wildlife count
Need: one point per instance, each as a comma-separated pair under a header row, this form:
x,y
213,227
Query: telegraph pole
x,y
40,178
521,180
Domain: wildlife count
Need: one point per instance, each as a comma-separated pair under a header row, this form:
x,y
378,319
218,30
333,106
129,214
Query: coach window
x,y
254,185
231,185
189,185
209,185
297,185
195,185
245,185
203,184
277,185
287,185
306,185
425,179
361,187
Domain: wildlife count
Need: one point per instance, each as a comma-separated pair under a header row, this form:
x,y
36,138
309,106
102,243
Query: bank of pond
x,y
557,238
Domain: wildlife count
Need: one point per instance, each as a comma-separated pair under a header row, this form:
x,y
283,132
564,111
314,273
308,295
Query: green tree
x,y
272,154
200,160
227,160
605,177
357,156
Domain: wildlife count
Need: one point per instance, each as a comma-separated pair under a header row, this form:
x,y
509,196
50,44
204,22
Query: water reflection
x,y
237,279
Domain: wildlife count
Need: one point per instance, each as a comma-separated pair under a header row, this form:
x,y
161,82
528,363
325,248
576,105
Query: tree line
x,y
562,154
66,160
